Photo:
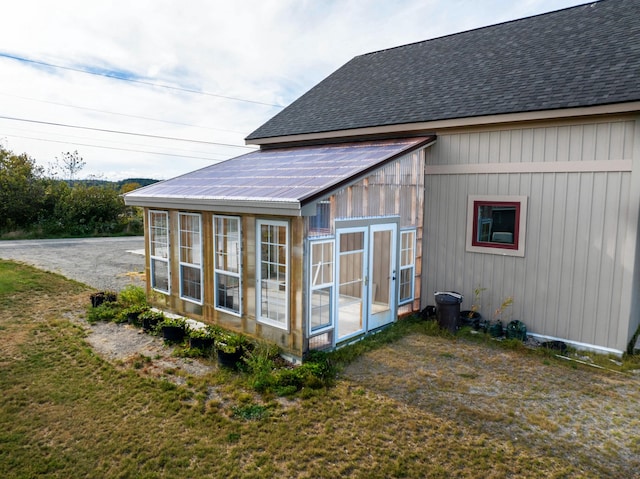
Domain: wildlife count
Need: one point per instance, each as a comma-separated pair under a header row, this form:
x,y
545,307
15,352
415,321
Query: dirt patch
x,y
125,343
520,398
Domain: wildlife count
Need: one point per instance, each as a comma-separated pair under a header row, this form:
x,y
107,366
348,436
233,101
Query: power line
x,y
72,139
66,105
141,82
115,148
124,132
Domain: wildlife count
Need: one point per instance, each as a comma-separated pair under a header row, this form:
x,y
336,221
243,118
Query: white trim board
x,y
537,167
578,345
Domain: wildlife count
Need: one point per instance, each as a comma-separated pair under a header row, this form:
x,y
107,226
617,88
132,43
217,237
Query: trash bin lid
x,y
448,297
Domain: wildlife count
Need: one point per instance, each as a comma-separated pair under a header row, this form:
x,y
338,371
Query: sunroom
x,y
307,247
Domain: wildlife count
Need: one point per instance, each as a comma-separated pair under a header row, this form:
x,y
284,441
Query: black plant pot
x,y
229,360
495,330
101,297
173,333
470,318
201,343
149,323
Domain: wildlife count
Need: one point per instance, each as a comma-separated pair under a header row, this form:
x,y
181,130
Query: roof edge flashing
x,y
277,208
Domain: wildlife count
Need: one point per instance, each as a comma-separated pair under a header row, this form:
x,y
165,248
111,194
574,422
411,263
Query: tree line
x,y
35,204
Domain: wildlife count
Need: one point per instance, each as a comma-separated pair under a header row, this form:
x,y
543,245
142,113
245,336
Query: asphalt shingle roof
x,y
582,56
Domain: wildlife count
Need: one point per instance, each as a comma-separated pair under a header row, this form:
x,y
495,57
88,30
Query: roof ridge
x,y
493,25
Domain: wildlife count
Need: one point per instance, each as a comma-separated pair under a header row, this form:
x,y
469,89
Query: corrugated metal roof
x,y
278,179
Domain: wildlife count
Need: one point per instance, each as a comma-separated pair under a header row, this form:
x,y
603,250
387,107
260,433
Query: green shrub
x,y
133,295
268,372
229,341
208,332
173,322
107,311
134,311
260,365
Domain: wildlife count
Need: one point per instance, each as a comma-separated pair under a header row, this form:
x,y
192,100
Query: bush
x,y
133,295
107,311
268,372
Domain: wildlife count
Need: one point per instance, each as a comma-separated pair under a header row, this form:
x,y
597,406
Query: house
x,y
506,157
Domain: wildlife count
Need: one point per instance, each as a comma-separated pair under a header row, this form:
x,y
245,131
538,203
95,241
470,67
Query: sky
x,y
158,88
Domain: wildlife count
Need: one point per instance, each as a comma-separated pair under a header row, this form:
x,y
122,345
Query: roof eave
x,y
435,125
238,206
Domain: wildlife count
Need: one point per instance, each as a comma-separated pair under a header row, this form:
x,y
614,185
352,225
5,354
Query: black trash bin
x,y
448,309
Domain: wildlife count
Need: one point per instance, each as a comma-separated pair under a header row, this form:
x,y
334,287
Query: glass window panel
x,y
273,282
159,250
406,282
407,266
190,283
160,275
321,308
190,254
496,224
228,292
227,265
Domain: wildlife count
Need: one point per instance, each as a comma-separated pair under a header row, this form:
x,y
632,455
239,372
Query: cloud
x,y
268,51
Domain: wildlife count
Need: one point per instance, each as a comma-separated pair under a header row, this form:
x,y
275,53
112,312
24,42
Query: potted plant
x,y
103,297
173,329
150,319
473,317
229,347
202,338
133,312
495,329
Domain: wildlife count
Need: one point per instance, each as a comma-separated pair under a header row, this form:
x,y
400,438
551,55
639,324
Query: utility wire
x,y
115,148
66,105
71,139
141,82
124,132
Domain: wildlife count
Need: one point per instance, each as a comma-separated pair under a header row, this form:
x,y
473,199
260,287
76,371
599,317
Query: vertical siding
x,y
570,282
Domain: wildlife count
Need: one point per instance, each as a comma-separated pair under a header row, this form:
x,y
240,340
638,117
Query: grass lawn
x,y
420,406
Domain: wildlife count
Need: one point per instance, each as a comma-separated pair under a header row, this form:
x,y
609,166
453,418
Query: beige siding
x,y
594,141
570,284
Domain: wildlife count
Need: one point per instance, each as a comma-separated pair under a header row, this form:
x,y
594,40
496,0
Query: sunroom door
x,y
382,273
366,279
351,298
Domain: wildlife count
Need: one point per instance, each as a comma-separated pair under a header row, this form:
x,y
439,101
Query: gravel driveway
x,y
103,263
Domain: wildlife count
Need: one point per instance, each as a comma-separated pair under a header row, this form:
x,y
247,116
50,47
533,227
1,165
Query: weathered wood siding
x,y
290,341
576,279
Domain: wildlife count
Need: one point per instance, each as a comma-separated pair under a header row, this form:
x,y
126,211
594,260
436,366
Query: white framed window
x,y
321,285
497,224
159,250
407,266
272,273
227,264
190,239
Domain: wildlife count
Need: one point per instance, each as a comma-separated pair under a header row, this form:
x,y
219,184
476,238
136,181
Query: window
x,y
159,250
497,224
227,267
321,281
407,266
273,273
320,224
190,257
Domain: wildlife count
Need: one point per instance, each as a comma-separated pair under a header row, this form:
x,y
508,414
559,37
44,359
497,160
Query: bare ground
x,y
524,399
488,392
125,343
